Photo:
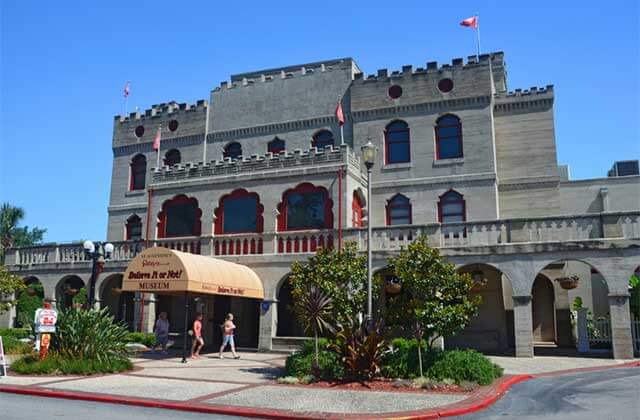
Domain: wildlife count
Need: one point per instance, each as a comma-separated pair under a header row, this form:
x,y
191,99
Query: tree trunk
x,y
420,355
315,335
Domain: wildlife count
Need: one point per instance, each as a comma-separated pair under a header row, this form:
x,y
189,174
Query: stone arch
x,y
287,324
28,300
543,308
67,288
120,304
491,330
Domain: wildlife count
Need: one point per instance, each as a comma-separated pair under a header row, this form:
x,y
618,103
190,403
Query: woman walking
x,y
198,342
162,332
228,329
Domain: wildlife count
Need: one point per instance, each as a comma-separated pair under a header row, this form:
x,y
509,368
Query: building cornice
x,y
421,108
487,178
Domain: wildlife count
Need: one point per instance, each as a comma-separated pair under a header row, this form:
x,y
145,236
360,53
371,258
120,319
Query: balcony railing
x,y
513,231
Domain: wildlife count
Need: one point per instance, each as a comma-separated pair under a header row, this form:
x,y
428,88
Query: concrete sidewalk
x,y
247,387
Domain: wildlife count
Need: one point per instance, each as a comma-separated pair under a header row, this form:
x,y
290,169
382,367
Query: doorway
x,y
543,307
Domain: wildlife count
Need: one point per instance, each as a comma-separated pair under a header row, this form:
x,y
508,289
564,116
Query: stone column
x,y
620,326
148,313
523,325
266,329
583,332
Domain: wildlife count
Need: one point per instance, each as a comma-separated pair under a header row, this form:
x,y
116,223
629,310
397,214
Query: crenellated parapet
x,y
174,119
519,100
280,162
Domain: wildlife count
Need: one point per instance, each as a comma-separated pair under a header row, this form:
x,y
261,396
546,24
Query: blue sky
x,y
63,66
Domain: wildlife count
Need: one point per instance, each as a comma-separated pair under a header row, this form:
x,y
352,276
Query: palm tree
x,y
313,308
11,234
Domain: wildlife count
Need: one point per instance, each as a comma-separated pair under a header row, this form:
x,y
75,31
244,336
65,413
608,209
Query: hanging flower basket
x,y
31,291
116,290
479,279
393,286
71,292
568,283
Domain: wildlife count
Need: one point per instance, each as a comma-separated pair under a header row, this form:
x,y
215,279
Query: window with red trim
x,y
322,139
179,216
398,210
239,212
452,209
305,207
448,137
172,157
276,145
138,172
133,228
356,210
233,150
396,142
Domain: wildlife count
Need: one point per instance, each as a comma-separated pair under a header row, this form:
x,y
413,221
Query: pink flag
x,y
339,113
156,140
471,22
127,90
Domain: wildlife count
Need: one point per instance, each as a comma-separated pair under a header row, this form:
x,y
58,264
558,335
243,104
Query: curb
x,y
457,409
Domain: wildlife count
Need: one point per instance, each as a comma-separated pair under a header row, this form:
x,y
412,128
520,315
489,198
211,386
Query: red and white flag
x,y
339,113
156,140
127,90
471,22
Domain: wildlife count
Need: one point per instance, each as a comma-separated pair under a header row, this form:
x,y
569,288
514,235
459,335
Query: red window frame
x,y
356,210
458,138
386,141
460,200
238,193
276,149
162,215
134,219
390,206
138,165
305,187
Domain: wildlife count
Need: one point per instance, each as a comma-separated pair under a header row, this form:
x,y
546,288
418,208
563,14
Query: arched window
x,y
356,210
398,210
138,172
322,139
275,146
133,228
172,157
179,216
239,212
448,137
305,207
452,209
396,142
233,150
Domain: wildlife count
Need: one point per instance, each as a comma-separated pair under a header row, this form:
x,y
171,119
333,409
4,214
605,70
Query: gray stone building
x,y
263,174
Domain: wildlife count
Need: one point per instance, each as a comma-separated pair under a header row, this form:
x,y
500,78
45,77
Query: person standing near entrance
x,y
198,342
162,332
228,329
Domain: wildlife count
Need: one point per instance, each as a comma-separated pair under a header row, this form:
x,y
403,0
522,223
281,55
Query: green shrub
x,y
54,364
89,335
464,365
28,303
13,345
15,332
301,364
361,349
148,339
402,359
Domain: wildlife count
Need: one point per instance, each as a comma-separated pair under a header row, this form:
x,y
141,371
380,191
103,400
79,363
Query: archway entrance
x,y
543,308
288,325
120,304
68,288
29,300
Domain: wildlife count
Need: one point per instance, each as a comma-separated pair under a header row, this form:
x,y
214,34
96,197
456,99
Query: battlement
x,y
255,163
532,91
496,59
161,110
288,72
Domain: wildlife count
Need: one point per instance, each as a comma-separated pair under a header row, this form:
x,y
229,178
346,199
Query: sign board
x,y
3,361
46,317
45,328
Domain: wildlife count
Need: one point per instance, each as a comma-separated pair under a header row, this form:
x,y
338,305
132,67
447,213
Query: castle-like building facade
x,y
263,174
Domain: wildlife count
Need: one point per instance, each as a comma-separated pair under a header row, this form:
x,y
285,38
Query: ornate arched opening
x,y
120,304
69,289
287,323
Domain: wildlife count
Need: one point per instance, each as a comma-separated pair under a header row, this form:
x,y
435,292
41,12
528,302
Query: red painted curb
x,y
473,406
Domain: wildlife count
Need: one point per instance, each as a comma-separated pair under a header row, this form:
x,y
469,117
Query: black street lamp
x,y
369,151
98,253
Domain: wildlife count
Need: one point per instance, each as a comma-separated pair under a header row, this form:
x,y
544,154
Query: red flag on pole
x,y
471,22
156,140
127,90
339,113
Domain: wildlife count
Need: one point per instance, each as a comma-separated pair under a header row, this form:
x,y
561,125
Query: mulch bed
x,y
384,385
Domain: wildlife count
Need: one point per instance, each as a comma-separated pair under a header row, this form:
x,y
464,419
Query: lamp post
x,y
98,253
369,158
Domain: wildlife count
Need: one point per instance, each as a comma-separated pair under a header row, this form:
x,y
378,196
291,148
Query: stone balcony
x,y
619,225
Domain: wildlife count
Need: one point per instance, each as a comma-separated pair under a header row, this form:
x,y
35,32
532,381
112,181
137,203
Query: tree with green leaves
x,y
434,300
634,299
340,274
10,287
12,235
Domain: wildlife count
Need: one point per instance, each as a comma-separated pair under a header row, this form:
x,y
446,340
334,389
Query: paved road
x,y
612,394
22,407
